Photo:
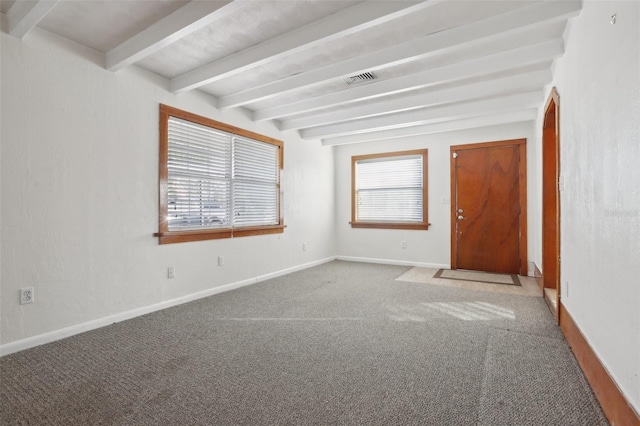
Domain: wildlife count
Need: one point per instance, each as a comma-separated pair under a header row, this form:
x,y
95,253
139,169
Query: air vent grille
x,y
360,78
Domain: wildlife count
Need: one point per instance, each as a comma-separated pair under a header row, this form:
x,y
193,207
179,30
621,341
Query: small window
x,y
216,180
389,190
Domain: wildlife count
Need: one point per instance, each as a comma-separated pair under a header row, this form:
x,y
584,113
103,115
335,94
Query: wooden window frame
x,y
424,225
170,237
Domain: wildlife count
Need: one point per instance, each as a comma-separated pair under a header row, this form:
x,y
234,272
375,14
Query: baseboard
x,y
52,336
393,262
282,272
612,400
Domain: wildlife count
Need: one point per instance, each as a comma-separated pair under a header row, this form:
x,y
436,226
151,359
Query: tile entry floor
x,y
425,275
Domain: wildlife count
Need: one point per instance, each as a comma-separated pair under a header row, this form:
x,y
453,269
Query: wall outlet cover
x,y
27,295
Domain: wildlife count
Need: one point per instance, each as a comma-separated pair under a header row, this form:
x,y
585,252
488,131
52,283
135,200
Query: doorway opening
x,y
551,203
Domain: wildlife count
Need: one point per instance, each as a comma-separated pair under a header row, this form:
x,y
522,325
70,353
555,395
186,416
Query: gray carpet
x,y
342,343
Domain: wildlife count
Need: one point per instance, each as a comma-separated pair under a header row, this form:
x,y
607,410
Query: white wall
x,y
80,193
598,81
431,247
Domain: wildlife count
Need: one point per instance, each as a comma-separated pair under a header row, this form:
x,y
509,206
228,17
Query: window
x,y
389,190
216,180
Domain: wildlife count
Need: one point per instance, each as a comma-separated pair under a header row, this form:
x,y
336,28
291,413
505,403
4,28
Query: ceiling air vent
x,y
360,78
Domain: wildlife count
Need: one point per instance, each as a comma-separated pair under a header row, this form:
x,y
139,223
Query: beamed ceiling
x,y
338,71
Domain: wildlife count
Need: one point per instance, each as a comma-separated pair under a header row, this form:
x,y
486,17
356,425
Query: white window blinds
x,y
255,183
219,180
389,189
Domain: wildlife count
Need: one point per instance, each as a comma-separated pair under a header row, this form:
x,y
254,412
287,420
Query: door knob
x,y
460,217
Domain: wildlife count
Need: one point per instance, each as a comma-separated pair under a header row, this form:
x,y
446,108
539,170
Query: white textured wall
x,y
80,193
423,247
598,81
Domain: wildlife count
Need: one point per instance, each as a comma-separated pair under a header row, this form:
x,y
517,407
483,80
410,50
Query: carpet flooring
x,y
339,344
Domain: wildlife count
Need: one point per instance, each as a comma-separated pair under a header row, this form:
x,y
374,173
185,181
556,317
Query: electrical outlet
x,y
403,245
27,295
220,261
304,246
171,272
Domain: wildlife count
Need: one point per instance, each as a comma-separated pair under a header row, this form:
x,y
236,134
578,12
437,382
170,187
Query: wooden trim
x,y
523,209
424,225
551,211
453,203
258,230
494,144
215,234
522,178
175,112
425,190
170,237
524,254
554,98
163,171
615,406
385,225
389,154
353,191
184,237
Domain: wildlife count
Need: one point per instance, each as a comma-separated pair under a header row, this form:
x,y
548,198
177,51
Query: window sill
x,y
215,234
386,225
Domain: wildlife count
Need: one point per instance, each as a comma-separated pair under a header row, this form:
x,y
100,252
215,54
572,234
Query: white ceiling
x,y
440,65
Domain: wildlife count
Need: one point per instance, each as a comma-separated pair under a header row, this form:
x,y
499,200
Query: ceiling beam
x,y
431,115
24,15
445,126
502,61
460,93
184,21
472,34
357,18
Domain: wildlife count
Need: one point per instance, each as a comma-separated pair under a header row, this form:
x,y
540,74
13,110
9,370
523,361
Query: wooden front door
x,y
489,207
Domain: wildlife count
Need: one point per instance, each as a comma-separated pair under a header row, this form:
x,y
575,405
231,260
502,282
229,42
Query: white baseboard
x,y
52,336
294,269
393,262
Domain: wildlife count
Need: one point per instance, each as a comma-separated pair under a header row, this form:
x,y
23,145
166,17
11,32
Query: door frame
x,y
551,200
522,178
